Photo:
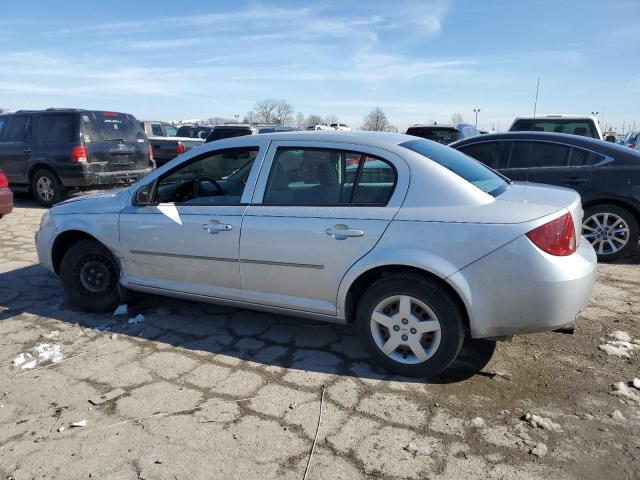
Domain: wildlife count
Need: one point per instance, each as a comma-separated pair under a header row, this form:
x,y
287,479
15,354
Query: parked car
x,y
430,248
166,149
238,130
6,196
606,175
319,126
340,126
631,139
582,125
158,129
51,152
194,131
444,134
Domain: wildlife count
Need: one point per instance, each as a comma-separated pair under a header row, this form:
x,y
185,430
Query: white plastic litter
x,y
81,423
29,365
54,335
46,352
121,310
21,359
136,320
537,421
61,429
636,383
622,390
418,448
477,422
540,450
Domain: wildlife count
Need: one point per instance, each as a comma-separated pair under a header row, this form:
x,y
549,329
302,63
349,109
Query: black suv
x,y
606,175
52,151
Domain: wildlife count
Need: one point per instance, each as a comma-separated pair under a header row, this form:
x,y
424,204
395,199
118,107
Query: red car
x,y
6,197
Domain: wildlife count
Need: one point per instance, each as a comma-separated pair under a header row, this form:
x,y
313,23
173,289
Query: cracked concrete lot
x,y
235,394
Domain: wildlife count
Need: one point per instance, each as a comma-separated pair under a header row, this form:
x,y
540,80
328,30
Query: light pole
x,y
236,116
476,111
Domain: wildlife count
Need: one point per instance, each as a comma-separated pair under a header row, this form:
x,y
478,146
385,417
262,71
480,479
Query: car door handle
x,y
27,150
342,231
575,180
214,226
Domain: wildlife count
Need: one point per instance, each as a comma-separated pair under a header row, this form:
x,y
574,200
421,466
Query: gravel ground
x,y
236,394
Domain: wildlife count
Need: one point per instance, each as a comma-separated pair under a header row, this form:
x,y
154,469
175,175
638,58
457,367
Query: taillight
x,y
4,181
180,148
150,151
558,237
79,154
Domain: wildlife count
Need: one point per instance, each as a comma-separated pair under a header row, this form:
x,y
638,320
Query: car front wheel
x,y
612,231
410,325
89,277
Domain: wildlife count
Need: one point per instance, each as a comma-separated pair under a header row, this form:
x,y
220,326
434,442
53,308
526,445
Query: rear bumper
x,y
92,175
6,201
520,289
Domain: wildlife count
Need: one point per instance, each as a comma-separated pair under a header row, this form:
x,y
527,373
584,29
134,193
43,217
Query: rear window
x,y
471,170
110,126
56,129
584,128
220,133
437,134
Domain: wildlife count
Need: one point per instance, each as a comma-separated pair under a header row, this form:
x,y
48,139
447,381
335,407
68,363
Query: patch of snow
x,y
54,335
49,352
121,310
537,421
619,348
540,450
418,448
136,320
81,423
622,390
477,422
621,336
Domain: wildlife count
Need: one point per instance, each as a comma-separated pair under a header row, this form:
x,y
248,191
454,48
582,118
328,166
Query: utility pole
x,y
476,111
236,116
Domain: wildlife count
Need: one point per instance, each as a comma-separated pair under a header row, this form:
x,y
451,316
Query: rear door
x,y
317,209
15,148
114,141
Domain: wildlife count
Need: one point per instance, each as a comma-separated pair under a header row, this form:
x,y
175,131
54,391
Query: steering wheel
x,y
198,182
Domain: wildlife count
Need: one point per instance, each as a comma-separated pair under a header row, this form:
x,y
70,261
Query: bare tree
x,y
271,110
283,113
300,121
216,121
250,117
457,118
314,119
376,121
331,118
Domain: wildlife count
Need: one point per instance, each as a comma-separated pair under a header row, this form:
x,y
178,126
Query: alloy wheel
x,y
405,329
607,232
45,188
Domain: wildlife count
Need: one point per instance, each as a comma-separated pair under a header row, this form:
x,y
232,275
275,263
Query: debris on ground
x,y
136,320
114,336
54,335
622,390
79,424
617,415
636,383
100,399
497,374
537,421
21,359
292,405
121,310
47,352
622,345
477,422
61,429
417,447
540,450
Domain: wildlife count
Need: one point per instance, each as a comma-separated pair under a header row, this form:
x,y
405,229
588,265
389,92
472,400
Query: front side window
x,y
316,176
538,154
469,169
217,178
56,129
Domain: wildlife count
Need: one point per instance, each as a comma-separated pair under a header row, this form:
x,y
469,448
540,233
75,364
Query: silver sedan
x,y
414,243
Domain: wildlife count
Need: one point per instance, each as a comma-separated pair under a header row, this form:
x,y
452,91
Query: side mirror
x,y
143,196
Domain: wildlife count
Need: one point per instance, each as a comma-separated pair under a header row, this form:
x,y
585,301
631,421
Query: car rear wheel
x,y
612,230
410,325
46,188
89,277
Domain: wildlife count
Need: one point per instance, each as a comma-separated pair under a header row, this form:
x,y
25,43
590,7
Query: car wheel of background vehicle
x,y
612,230
89,277
410,325
46,188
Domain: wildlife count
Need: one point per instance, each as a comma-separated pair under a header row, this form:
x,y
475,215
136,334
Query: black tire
x,y
89,277
434,296
627,217
55,191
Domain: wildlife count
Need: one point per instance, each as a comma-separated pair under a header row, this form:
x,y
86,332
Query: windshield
x,y
466,167
585,127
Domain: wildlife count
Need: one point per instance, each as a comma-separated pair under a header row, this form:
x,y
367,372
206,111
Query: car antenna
x,y
533,126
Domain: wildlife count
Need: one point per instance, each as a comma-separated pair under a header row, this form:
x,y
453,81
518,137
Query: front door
x,y
318,208
188,241
15,148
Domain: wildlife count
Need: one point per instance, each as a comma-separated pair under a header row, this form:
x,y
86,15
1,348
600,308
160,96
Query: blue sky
x,y
418,60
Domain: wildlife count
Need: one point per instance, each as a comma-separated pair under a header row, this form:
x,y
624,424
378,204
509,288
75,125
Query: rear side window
x,y
111,126
585,128
583,158
489,153
316,176
56,129
538,154
15,130
469,169
156,129
3,120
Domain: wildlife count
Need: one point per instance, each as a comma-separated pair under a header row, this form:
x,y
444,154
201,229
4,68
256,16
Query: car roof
x,y
430,125
358,137
595,144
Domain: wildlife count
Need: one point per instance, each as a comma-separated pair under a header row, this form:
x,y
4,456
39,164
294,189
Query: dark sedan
x,y
606,175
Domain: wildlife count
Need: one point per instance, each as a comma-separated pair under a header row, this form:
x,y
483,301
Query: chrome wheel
x,y
607,232
405,329
45,188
